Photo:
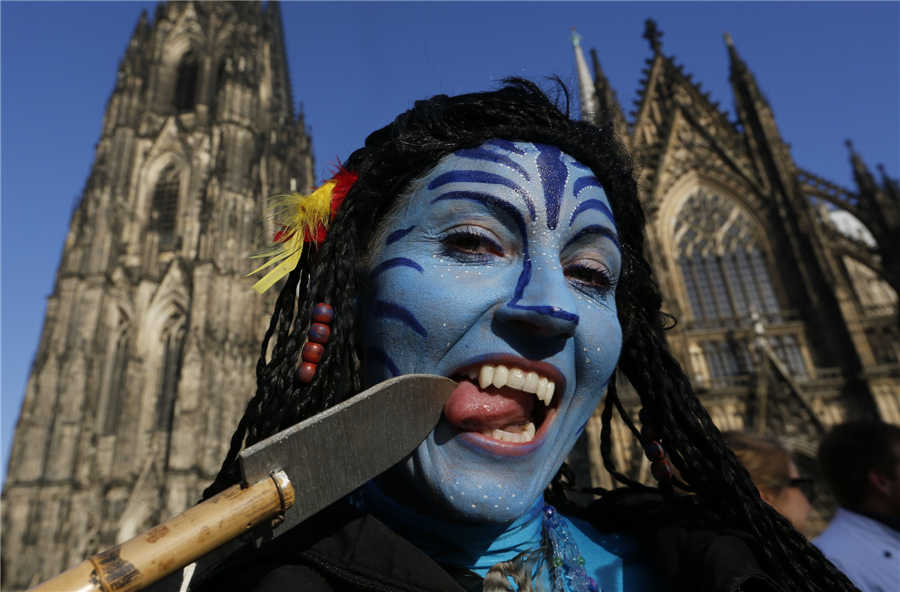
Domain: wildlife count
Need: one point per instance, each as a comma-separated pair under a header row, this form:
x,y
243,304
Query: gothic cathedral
x,y
784,285
152,333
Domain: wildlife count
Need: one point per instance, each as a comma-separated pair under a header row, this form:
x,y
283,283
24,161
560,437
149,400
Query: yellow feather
x,y
300,216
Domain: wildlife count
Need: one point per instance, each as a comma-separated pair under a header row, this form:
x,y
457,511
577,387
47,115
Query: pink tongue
x,y
471,409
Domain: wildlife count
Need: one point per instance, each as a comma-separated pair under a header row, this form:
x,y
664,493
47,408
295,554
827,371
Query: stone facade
x,y
152,333
784,284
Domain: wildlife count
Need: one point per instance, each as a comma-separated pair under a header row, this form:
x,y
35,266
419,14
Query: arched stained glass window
x,y
186,83
725,273
787,350
726,359
165,204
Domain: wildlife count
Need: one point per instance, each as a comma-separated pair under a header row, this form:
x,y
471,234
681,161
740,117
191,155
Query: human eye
x,y
591,277
470,243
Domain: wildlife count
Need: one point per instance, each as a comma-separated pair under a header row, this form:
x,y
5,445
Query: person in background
x,y
860,461
774,474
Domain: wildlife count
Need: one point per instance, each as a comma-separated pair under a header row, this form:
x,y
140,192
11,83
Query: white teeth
x,y
486,376
501,374
542,389
531,382
514,378
526,435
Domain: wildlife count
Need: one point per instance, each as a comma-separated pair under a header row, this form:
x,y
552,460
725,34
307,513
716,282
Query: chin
x,y
457,477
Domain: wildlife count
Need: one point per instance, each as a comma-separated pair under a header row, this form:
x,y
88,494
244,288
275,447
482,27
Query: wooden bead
x,y
306,371
648,432
654,451
319,333
323,313
661,470
646,416
312,352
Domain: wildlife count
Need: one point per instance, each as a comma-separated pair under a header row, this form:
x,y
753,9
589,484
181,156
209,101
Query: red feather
x,y
283,235
344,180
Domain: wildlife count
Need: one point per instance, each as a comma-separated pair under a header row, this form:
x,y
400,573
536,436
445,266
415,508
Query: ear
x,y
767,496
879,483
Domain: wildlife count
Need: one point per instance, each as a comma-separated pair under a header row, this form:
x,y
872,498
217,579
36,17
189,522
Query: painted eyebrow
x,y
596,229
486,178
398,234
481,154
584,182
396,262
493,203
592,204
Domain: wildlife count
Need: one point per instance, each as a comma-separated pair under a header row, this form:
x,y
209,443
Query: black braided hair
x,y
406,150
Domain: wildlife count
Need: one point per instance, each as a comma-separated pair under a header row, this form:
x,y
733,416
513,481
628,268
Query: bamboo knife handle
x,y
151,556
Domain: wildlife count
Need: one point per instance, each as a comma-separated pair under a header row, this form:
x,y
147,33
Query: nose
x,y
542,304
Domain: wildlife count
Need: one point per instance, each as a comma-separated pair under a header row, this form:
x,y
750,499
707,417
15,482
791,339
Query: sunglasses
x,y
805,485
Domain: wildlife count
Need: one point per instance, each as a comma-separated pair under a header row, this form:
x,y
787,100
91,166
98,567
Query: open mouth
x,y
502,402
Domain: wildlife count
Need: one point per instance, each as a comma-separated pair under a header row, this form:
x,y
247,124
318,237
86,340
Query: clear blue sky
x,y
831,71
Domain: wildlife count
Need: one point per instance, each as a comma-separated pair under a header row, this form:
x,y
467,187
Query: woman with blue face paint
x,y
492,239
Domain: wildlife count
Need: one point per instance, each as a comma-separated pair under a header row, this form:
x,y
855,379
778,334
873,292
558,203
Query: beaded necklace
x,y
567,563
470,545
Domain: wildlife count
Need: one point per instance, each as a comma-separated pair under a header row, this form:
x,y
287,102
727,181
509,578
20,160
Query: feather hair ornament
x,y
303,219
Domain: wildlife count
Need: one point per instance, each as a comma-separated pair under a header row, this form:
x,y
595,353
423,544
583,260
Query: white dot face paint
x,y
530,244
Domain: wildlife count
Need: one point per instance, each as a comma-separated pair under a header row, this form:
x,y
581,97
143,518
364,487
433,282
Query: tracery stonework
x,y
152,332
783,283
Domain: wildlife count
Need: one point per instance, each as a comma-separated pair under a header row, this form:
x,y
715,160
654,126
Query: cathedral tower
x,y
151,335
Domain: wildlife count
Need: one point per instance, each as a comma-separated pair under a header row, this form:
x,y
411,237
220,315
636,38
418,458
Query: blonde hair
x,y
767,461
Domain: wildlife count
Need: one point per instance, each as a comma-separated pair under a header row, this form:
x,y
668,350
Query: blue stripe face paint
x,y
398,234
396,262
505,254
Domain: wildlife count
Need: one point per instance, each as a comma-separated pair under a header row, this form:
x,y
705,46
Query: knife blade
x,y
330,454
298,471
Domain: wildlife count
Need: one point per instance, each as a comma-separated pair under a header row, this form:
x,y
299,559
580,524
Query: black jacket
x,y
341,549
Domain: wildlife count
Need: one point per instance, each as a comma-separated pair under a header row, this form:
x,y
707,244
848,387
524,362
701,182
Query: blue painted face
x,y
499,272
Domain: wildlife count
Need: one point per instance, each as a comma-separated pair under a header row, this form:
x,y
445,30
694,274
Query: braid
x,y
396,156
612,400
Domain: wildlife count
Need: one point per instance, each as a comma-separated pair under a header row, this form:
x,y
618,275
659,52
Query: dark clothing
x,y
341,549
689,548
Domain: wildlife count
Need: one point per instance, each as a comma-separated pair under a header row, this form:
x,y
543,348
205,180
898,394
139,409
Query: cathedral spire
x,y
756,117
280,64
606,99
879,211
586,91
148,272
864,179
889,186
742,80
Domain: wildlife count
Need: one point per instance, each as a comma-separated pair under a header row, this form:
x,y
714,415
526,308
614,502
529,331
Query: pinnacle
x,y
576,38
653,35
728,40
